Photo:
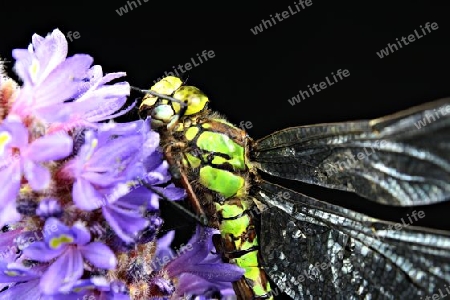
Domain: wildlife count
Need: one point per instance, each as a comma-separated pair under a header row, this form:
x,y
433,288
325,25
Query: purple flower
x,y
25,157
24,239
125,215
36,63
100,166
157,175
200,272
95,101
16,272
163,249
69,246
8,246
97,288
50,80
126,206
28,290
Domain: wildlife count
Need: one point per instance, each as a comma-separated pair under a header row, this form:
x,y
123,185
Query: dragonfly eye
x,y
194,99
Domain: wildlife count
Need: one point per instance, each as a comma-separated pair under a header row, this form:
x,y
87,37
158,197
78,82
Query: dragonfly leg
x,y
177,168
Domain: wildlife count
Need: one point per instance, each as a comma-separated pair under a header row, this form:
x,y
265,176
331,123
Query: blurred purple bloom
x,y
97,288
199,271
125,208
28,290
49,207
69,246
100,165
16,272
25,157
8,245
125,216
27,237
163,249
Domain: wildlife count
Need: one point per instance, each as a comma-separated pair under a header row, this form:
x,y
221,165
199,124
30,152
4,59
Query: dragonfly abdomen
x,y
240,243
217,162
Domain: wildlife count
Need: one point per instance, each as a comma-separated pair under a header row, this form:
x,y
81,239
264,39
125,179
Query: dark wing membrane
x,y
401,159
315,250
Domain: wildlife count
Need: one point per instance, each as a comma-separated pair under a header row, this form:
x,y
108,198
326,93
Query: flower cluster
x,y
78,220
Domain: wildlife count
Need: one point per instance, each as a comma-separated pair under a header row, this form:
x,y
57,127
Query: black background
x,y
252,76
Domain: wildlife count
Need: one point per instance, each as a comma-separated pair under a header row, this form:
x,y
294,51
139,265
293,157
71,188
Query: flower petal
x,y
194,285
13,124
24,59
9,183
50,147
63,82
82,234
131,220
53,227
9,214
38,176
7,238
14,272
50,51
100,177
66,270
22,291
111,76
85,196
116,225
216,272
135,198
201,243
172,192
99,255
40,252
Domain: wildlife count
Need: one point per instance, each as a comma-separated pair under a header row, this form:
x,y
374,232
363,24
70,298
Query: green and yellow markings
x,y
235,228
215,179
218,142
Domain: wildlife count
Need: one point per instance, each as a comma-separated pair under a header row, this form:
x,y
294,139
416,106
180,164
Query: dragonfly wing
x,y
316,250
402,159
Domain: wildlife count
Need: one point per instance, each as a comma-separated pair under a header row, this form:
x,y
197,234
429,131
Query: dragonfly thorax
x,y
165,112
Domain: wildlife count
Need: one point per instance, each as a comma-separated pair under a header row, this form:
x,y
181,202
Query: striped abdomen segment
x,y
240,245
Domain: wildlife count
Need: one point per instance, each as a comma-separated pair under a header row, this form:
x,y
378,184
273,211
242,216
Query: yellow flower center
x,y
94,145
56,242
12,273
34,69
5,139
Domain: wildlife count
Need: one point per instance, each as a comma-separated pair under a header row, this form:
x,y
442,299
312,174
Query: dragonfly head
x,y
168,100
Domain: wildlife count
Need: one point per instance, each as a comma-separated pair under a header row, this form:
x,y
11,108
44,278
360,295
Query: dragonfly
x,y
290,242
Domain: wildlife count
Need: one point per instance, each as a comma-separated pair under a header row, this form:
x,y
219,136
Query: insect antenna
x,y
202,220
183,105
162,96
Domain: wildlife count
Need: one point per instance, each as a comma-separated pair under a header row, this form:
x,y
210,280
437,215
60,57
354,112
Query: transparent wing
x,y
401,159
315,250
